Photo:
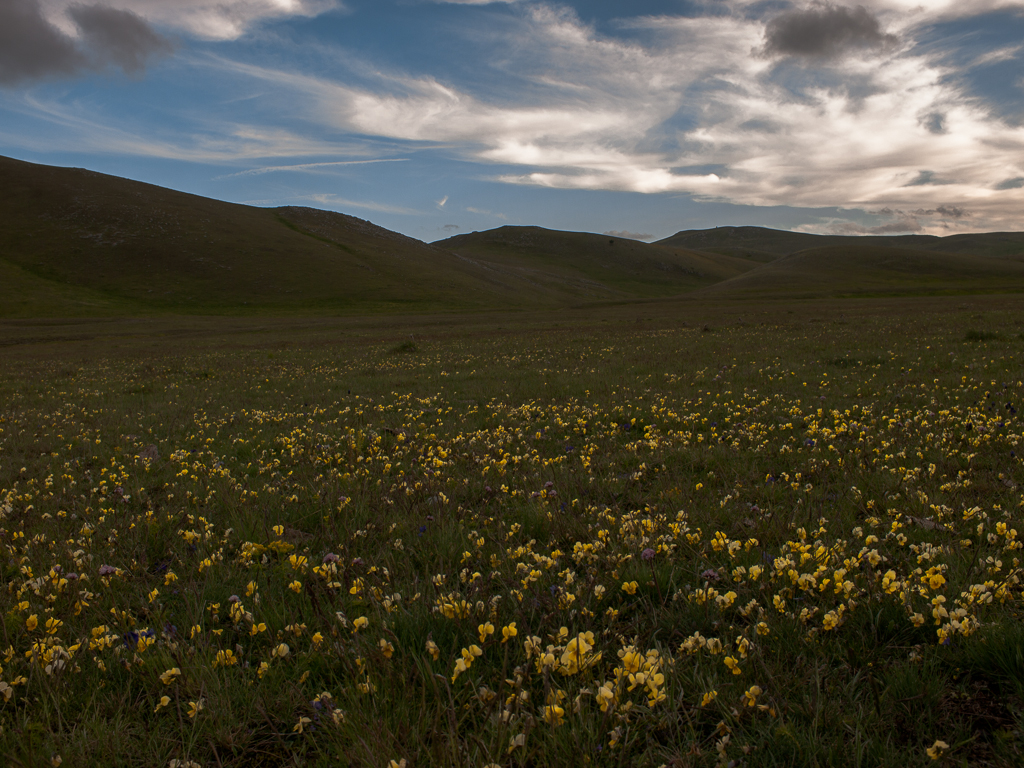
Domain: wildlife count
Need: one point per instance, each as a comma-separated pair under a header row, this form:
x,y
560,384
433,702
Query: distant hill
x,y
864,270
762,244
597,264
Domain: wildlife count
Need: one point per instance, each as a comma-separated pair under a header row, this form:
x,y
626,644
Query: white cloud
x,y
309,167
334,201
483,212
602,113
209,19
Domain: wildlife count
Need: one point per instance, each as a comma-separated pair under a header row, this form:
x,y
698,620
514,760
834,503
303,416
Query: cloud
x,y
824,31
207,19
1008,53
309,167
628,235
451,227
1014,183
935,122
945,211
33,48
441,203
927,178
482,212
900,222
224,19
579,110
118,37
334,201
559,103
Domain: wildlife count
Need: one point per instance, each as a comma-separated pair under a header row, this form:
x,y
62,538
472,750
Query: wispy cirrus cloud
x,y
208,19
310,167
338,202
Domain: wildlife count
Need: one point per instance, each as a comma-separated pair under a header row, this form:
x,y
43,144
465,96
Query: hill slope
x,y
763,245
84,242
598,265
851,270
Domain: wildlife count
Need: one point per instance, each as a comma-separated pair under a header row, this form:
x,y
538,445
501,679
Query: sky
x,y
638,118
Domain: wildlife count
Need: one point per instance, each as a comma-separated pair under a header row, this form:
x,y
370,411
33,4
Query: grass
x,y
210,509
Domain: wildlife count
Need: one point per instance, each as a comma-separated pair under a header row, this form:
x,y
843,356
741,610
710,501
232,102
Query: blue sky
x,y
641,117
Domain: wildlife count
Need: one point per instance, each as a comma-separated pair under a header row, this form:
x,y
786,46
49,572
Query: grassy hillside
x,y
763,245
598,265
81,242
849,270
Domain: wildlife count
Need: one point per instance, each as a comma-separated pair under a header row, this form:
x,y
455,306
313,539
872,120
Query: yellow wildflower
x,y
553,715
486,630
935,750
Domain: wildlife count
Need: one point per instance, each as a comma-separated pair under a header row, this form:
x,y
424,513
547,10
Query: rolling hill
x,y
79,242
762,244
872,270
74,242
600,264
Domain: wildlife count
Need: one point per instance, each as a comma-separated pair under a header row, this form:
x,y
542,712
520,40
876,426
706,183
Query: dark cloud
x,y
927,178
31,48
902,222
118,37
935,122
628,235
1016,183
761,126
905,224
824,31
945,211
451,227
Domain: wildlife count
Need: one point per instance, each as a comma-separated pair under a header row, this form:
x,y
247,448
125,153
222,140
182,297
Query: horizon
x,y
435,118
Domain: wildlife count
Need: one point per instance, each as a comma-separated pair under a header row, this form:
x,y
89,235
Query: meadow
x,y
644,536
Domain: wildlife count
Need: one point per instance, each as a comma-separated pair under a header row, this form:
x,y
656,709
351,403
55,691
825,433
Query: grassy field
x,y
671,533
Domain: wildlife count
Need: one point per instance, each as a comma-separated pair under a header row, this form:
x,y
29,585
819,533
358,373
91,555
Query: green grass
x,y
867,270
522,467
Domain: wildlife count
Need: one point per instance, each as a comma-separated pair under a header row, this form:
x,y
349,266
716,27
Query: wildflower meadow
x,y
782,542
